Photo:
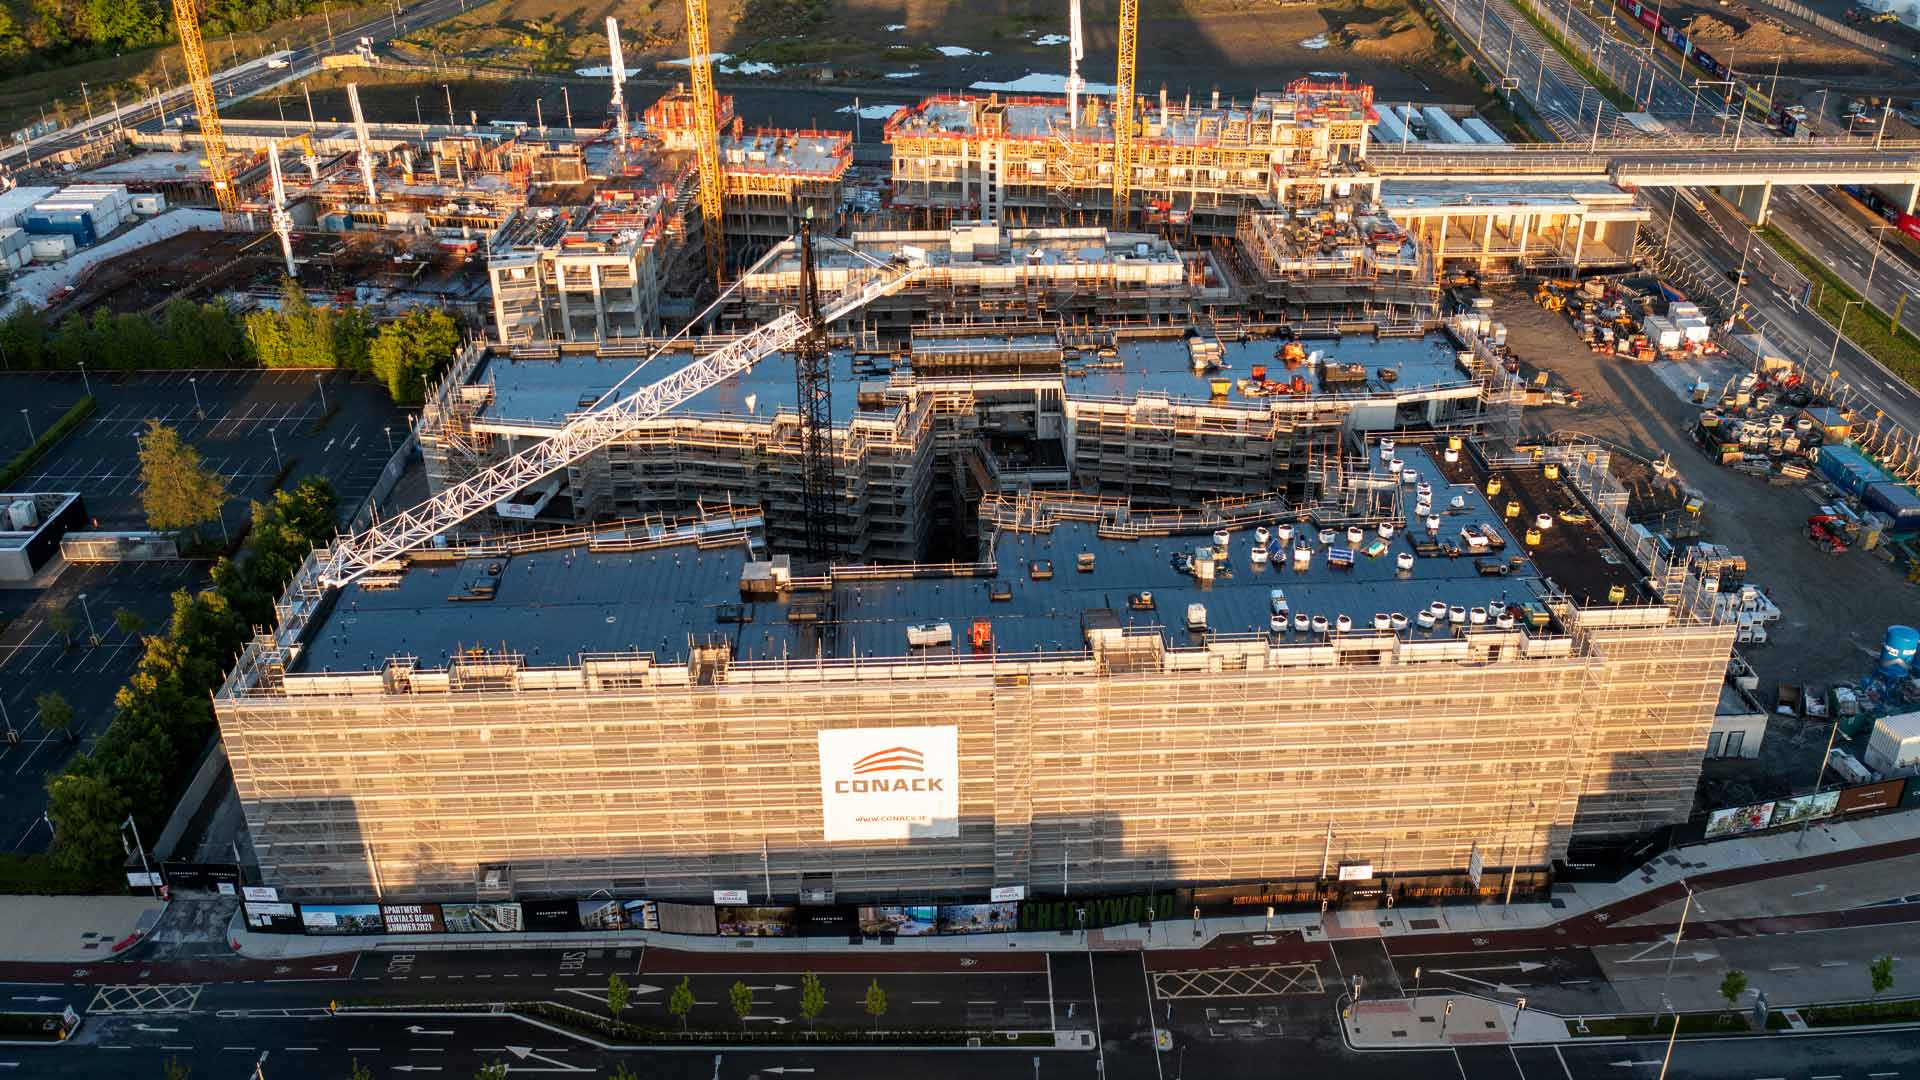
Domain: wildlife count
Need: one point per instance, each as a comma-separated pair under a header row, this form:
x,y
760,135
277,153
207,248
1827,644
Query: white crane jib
x,y
365,139
618,62
277,215
606,421
1076,52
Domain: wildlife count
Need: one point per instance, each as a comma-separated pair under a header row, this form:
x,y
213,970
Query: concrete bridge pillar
x,y
1753,200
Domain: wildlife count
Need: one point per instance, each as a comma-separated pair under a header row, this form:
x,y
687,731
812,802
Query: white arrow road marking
x,y
416,1068
416,1029
782,1070
159,1031
18,998
525,1052
775,1019
775,987
1630,1064
1809,892
328,968
1524,966
1696,957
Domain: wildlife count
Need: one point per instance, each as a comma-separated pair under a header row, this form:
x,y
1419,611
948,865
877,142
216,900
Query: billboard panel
x,y
755,921
272,917
1804,808
979,918
901,921
482,918
890,783
551,915
601,915
1857,800
342,919
1739,819
413,918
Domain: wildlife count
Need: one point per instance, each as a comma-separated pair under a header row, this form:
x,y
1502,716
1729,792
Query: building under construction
x,y
1437,663
922,433
1041,160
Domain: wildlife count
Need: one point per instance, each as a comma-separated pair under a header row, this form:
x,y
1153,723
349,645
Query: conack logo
x,y
893,759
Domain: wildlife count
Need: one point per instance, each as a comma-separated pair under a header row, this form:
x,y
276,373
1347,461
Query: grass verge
x,y
1714,1023
1868,1012
1620,98
24,460
1892,345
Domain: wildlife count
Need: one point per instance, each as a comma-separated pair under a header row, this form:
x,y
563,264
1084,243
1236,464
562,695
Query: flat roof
x,y
1204,124
804,152
544,390
1007,247
149,166
553,605
1399,195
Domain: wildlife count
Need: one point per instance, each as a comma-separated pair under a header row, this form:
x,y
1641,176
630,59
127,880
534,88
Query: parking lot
x,y
245,423
36,658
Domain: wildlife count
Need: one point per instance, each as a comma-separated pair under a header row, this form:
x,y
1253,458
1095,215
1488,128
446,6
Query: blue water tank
x,y
1897,651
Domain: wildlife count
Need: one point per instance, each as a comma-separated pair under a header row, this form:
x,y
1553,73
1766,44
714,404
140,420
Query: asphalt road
x,y
241,80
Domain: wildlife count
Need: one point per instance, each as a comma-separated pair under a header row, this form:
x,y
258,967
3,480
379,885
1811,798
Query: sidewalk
x,y
1757,858
76,928
1422,1022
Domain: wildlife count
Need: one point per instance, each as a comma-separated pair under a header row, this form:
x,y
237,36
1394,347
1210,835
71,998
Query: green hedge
x,y
1871,327
24,460
1871,1012
1713,1023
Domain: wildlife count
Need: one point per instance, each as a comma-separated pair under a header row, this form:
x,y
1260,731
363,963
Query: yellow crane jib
x,y
205,107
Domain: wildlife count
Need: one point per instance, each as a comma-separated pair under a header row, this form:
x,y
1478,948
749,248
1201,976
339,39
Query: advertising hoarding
x,y
342,919
413,918
272,917
1739,819
1359,871
755,921
1803,808
730,896
550,915
899,920
482,918
1857,800
890,783
260,892
979,918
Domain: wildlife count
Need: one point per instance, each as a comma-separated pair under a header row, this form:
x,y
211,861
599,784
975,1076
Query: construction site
x,y
1135,472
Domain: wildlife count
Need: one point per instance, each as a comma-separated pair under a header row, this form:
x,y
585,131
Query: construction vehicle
x,y
1825,532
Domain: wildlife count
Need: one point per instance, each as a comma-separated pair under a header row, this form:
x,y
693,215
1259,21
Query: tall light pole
x,y
1740,279
449,91
145,867
92,634
1675,954
1818,779
84,381
31,438
1880,235
1838,332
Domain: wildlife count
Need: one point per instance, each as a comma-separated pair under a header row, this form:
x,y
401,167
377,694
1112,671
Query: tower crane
x,y
1123,113
365,138
706,129
281,220
813,378
206,108
1076,52
618,62
606,420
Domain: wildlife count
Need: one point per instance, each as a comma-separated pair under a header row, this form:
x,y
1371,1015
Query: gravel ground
x,y
1834,607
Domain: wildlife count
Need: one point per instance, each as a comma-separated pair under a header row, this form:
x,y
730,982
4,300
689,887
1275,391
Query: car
x,y
1739,277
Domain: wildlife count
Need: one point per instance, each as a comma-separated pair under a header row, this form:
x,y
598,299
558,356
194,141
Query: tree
x,y
62,622
495,1071
621,1072
130,622
1880,972
409,350
876,1003
177,491
357,1071
680,1002
813,997
1733,986
56,715
617,994
171,1069
740,996
86,812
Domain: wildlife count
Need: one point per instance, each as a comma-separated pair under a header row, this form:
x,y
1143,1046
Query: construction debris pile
x,y
1622,319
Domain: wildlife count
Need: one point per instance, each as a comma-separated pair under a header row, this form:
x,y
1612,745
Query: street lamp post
x,y
1880,234
320,381
31,438
1838,332
92,634
449,90
1685,909
1819,778
275,437
194,382
417,117
84,381
1739,280
145,867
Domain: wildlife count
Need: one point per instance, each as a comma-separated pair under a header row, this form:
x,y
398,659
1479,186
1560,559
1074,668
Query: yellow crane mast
x,y
187,22
706,120
1123,113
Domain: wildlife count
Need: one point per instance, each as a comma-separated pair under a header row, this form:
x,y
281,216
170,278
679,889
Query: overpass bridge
x,y
1747,173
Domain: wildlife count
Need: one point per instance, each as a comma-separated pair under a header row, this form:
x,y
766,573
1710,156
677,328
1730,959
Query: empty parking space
x,y
246,424
86,665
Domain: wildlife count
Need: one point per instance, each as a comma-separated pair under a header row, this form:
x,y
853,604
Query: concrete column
x,y
1579,237
599,304
1486,237
1523,231
560,287
1754,201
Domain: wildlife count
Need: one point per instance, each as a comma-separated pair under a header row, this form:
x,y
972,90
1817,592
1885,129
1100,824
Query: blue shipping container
x,y
1897,501
1849,470
78,225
